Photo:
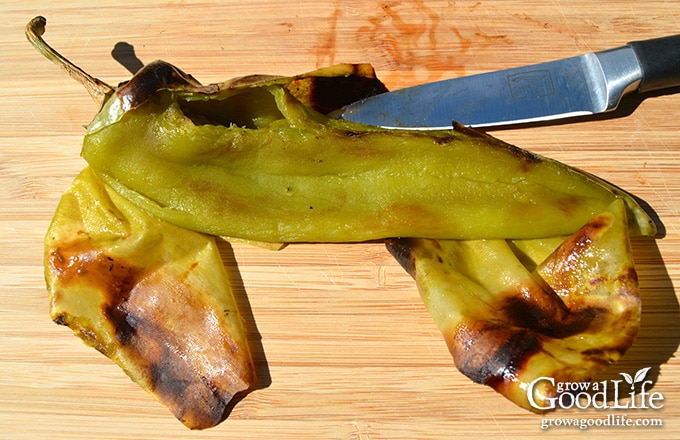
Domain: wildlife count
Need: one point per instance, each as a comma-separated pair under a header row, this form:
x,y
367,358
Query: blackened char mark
x,y
492,354
326,94
151,78
81,264
402,251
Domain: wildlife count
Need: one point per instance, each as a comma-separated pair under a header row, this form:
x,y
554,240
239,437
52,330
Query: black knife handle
x,y
660,62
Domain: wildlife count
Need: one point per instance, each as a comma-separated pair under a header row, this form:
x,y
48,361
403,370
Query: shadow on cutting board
x,y
124,53
263,379
659,334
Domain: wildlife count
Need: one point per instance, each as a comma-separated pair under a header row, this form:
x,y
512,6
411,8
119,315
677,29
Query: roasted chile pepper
x,y
514,311
247,159
538,280
153,297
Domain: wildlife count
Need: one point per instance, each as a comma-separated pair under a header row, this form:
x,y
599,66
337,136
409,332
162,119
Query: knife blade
x,y
582,85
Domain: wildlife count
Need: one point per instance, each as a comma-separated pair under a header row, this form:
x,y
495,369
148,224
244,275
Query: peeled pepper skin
x,y
248,159
152,297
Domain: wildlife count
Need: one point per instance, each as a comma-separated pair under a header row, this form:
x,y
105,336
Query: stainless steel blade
x,y
581,85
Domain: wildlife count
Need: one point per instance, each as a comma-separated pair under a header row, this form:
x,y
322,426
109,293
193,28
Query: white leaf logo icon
x,y
628,378
641,374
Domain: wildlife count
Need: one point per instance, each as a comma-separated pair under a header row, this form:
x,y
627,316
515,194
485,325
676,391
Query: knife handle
x,y
660,62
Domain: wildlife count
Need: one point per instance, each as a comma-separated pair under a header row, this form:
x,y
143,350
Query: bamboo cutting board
x,y
344,347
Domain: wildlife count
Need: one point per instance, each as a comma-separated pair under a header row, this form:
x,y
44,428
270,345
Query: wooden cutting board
x,y
343,345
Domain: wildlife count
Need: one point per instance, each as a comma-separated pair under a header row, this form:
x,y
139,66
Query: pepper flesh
x,y
508,320
152,297
254,162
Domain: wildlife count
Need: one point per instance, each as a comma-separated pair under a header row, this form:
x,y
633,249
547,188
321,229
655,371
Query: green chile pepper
x,y
513,312
523,262
250,159
152,297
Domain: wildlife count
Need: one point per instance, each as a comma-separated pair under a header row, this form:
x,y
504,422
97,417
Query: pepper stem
x,y
98,89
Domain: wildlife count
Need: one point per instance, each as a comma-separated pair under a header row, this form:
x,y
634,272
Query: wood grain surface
x,y
343,345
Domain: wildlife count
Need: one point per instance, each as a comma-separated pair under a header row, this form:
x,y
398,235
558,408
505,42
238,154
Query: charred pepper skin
x,y
153,297
510,314
248,159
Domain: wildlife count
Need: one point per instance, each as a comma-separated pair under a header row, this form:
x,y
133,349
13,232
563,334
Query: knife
x,y
576,86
